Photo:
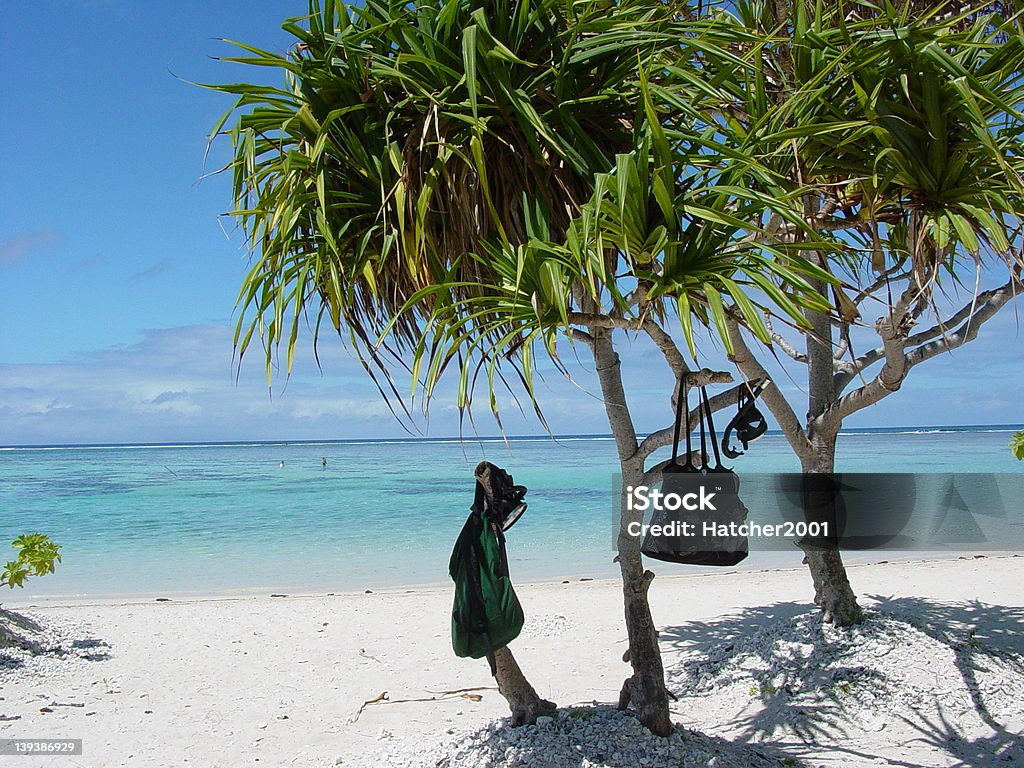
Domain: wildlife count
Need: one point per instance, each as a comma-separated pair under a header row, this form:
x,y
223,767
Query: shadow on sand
x,y
814,671
22,637
601,735
977,633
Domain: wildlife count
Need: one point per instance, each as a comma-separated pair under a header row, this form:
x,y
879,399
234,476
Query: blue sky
x,y
118,279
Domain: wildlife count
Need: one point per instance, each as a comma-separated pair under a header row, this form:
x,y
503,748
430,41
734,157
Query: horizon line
x,y
1000,427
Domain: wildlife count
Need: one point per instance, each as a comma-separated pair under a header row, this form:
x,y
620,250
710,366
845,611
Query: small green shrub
x,y
38,555
1017,446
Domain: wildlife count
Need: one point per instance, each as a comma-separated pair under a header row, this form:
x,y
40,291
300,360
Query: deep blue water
x,y
145,520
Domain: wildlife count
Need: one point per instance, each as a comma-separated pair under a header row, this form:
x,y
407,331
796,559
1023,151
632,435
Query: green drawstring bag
x,y
486,614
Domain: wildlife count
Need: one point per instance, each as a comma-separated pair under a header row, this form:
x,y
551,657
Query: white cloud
x,y
178,384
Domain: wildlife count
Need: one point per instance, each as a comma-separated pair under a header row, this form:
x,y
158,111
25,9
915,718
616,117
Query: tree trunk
x,y
645,688
832,590
523,701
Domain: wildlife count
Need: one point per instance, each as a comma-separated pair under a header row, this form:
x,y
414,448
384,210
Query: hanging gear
x,y
486,614
749,423
693,523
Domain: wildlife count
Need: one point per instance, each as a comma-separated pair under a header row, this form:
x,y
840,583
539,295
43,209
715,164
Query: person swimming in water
x,y
325,462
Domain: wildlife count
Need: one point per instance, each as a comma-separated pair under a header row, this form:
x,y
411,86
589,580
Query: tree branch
x,y
1001,295
597,320
577,335
883,279
940,328
893,331
821,222
968,331
751,367
784,345
848,371
844,343
668,347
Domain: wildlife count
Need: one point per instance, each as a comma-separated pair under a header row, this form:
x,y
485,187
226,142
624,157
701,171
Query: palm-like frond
x,y
408,136
906,119
457,180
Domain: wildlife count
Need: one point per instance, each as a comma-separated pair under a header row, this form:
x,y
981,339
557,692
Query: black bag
x,y
700,526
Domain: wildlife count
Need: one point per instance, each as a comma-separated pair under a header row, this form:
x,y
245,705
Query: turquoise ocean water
x,y
153,520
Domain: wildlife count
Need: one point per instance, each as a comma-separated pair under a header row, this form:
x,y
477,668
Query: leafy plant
x,y
1017,445
455,188
38,555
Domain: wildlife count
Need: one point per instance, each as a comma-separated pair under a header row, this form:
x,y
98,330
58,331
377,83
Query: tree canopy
x,y
452,183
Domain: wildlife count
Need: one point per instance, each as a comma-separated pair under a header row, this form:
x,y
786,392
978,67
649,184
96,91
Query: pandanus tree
x,y
463,188
899,126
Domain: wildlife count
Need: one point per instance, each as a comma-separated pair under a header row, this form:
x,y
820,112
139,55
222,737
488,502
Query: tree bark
x,y
832,590
645,688
526,706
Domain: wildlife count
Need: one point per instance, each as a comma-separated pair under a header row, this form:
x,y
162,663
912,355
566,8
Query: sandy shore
x,y
935,678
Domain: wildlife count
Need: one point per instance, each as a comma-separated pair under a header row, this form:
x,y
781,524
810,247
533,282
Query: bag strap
x,y
706,409
682,413
689,429
703,437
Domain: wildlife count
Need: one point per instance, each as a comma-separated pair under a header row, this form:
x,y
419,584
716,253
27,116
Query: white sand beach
x,y
935,677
